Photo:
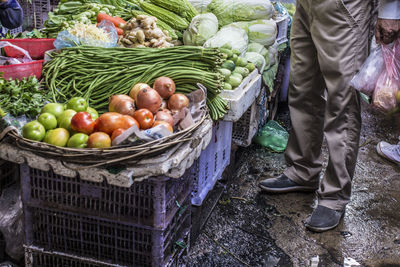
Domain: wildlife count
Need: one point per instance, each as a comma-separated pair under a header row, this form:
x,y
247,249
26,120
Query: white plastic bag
x,y
11,61
234,36
365,80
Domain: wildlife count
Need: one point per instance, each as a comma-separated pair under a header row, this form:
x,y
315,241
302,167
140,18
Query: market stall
x,y
130,120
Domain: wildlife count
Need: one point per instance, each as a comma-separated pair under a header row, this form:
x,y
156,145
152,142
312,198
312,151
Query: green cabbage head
x,y
259,31
202,28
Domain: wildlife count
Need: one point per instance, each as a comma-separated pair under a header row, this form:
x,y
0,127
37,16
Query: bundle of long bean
x,y
97,73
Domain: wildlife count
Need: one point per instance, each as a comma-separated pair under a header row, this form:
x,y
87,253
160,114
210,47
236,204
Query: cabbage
x,y
202,28
258,48
228,11
200,5
259,31
235,37
257,59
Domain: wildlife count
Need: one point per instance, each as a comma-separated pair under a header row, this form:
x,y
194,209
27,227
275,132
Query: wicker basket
x,y
117,155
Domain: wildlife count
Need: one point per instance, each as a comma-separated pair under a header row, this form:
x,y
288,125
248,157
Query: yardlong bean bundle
x,y
97,73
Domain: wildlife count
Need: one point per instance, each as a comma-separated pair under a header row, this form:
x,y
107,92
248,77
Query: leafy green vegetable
x,y
257,59
258,48
22,97
259,31
229,37
202,28
228,11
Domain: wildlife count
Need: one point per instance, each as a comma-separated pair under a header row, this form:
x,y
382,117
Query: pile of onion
x,y
148,98
122,104
165,87
177,102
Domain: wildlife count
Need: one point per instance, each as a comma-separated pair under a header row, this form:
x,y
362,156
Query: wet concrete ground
x,y
250,228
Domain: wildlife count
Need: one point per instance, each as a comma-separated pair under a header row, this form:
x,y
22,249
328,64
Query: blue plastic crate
x,y
212,162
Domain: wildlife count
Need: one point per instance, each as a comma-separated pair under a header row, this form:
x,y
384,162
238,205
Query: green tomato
x,y
78,140
93,113
57,137
78,104
64,121
34,130
48,120
53,108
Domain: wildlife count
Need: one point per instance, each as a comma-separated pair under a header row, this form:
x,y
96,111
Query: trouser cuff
x,y
291,174
335,204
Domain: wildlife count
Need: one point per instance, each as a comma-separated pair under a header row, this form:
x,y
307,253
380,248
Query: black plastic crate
x,y
36,12
105,240
8,174
151,202
2,248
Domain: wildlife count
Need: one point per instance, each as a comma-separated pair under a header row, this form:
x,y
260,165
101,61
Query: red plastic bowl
x,y
19,71
35,47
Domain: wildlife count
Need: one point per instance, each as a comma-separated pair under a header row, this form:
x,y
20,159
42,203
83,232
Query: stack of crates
x,y
36,12
8,174
212,162
72,222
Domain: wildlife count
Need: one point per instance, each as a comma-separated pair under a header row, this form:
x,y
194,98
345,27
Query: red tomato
x,y
166,124
144,117
82,122
110,121
117,133
99,140
129,122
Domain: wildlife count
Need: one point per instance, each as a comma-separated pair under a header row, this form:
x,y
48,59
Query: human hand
x,y
387,30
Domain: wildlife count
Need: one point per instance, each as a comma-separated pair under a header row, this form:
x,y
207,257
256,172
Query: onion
x,y
165,87
122,104
149,98
178,102
135,89
164,116
164,104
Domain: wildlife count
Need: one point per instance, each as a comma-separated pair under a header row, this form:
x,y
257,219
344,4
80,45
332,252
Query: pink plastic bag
x,y
388,84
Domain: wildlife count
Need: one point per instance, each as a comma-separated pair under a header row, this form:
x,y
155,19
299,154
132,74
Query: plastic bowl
x,y
19,71
35,47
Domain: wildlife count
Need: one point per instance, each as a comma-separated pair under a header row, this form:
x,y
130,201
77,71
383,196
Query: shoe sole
x,y
380,153
322,229
288,189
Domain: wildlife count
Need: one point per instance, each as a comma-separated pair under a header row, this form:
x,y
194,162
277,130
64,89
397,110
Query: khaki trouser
x,y
329,43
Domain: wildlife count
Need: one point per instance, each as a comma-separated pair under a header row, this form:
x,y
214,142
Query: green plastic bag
x,y
273,136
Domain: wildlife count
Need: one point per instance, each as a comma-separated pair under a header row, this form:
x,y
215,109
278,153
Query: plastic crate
x,y
19,71
36,13
282,23
8,174
2,248
212,162
13,31
152,202
108,241
245,128
35,47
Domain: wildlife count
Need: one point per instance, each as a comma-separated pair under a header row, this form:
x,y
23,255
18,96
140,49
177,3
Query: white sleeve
x,y
389,9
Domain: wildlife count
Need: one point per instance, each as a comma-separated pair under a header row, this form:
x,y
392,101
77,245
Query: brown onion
x,y
149,98
136,88
164,104
165,87
164,116
178,102
122,104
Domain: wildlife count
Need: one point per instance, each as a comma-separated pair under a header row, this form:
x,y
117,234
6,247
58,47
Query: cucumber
x,y
251,67
227,86
243,71
241,62
225,72
226,51
240,76
227,46
229,64
236,52
234,58
234,81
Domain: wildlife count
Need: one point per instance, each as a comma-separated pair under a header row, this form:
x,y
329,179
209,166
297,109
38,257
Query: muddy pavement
x,y
250,228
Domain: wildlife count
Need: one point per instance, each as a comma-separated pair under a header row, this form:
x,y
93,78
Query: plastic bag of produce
x,y
231,36
200,5
273,136
388,84
11,61
273,54
228,11
259,31
258,48
365,80
202,28
257,59
105,35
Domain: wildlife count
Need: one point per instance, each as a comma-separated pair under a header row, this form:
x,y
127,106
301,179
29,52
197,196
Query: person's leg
x,y
340,32
307,106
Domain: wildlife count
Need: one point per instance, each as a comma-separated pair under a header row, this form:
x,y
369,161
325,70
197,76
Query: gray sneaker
x,y
282,184
323,219
389,151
